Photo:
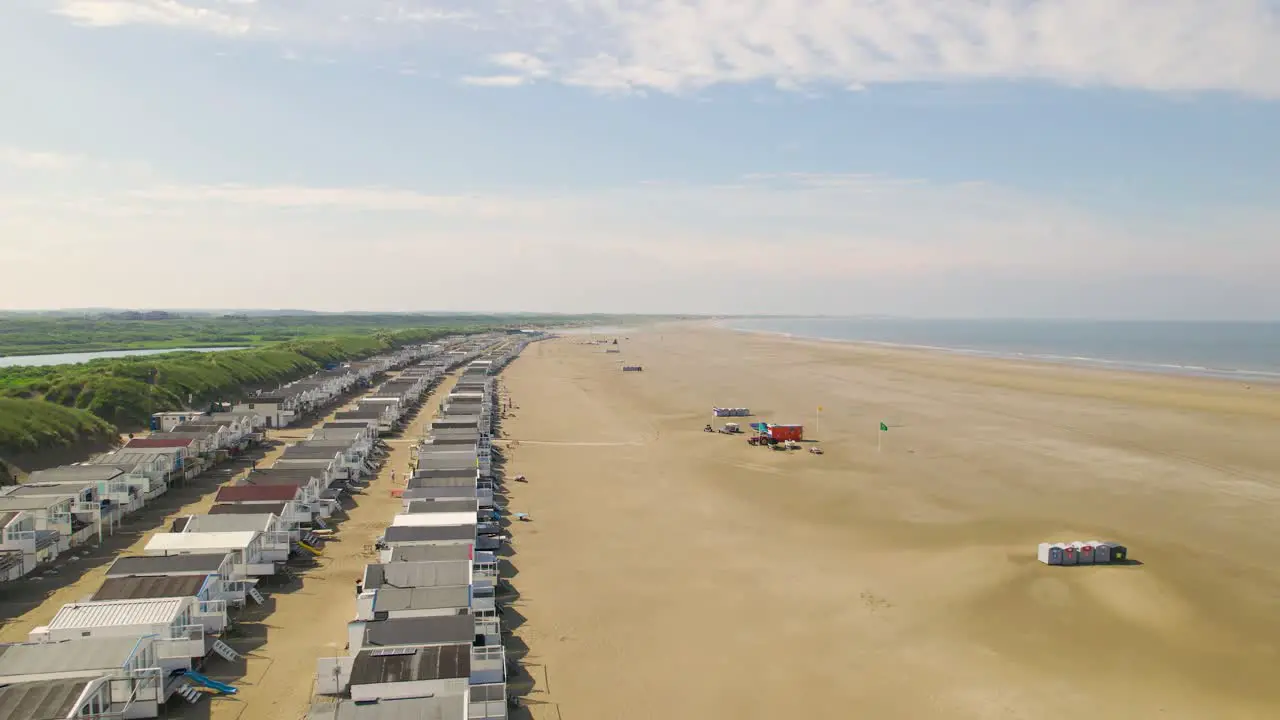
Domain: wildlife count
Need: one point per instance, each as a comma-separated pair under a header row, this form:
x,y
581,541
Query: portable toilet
x,y
1084,553
1119,553
1068,554
1101,552
1049,554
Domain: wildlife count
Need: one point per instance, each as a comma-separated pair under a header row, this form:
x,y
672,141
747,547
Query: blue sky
x,y
1066,158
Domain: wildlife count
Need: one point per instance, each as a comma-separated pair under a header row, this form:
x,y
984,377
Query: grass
x,y
29,426
26,334
59,406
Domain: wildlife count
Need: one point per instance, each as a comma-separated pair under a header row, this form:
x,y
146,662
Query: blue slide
x,y
199,679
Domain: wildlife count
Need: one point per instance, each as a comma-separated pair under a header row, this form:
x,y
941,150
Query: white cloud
x,y
801,240
495,80
198,15
683,45
339,199
29,160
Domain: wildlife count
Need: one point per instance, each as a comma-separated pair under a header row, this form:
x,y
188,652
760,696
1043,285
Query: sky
x,y
935,158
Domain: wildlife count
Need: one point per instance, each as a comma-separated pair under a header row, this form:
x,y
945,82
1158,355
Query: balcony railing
x,y
212,607
184,642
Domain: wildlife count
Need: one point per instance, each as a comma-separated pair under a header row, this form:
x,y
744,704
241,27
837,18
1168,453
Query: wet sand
x,y
671,573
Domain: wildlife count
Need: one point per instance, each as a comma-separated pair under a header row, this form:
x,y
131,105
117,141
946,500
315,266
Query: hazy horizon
x,y
904,158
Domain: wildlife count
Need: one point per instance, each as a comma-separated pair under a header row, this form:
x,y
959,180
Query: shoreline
x,y
1106,365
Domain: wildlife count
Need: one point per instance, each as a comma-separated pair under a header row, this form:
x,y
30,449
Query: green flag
x,y
884,428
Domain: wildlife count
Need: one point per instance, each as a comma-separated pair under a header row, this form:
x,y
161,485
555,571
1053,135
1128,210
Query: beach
x,y
672,573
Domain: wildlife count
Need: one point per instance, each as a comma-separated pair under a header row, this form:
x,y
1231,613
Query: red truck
x,y
782,433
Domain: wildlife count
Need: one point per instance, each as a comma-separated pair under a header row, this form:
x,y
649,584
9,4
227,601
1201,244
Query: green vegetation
x,y
28,426
60,405
27,334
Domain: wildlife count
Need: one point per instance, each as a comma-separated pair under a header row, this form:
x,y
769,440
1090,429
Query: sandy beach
x,y
671,573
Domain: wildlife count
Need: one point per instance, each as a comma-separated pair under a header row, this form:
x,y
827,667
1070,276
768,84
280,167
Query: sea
x,y
1245,351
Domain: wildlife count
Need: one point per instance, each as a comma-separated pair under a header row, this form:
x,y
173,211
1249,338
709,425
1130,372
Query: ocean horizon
x,y
1246,351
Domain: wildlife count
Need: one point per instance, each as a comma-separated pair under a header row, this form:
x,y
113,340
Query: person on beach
x,y
393,476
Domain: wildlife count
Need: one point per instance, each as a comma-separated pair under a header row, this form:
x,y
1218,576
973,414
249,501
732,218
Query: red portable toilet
x,y
1069,555
1084,553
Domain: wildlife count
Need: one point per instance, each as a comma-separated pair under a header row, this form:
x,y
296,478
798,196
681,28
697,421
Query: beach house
x,y
178,624
283,500
230,587
252,552
54,507
93,677
20,539
181,451
277,535
275,410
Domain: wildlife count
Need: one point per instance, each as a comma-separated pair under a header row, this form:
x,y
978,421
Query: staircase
x,y
190,694
256,596
225,651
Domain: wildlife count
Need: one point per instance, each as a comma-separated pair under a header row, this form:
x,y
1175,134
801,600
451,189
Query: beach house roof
x,y
256,493
41,699
417,574
310,452
467,505
435,493
194,563
430,534
91,653
248,509
169,543
153,443
429,553
229,522
140,587
443,597
74,473
439,630
115,613
427,519
436,662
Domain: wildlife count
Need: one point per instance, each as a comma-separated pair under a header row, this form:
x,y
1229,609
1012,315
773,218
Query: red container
x,y
786,432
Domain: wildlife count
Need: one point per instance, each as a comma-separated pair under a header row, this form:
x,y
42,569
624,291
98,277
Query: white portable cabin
x,y
177,623
1049,554
249,559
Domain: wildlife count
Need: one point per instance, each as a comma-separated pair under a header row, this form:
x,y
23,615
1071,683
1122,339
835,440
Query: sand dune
x,y
670,573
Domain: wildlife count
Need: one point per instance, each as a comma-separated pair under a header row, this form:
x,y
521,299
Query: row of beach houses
x,y
426,638
147,633
59,509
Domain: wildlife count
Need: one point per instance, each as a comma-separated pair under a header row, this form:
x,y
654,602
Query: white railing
x,y
212,607
184,642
